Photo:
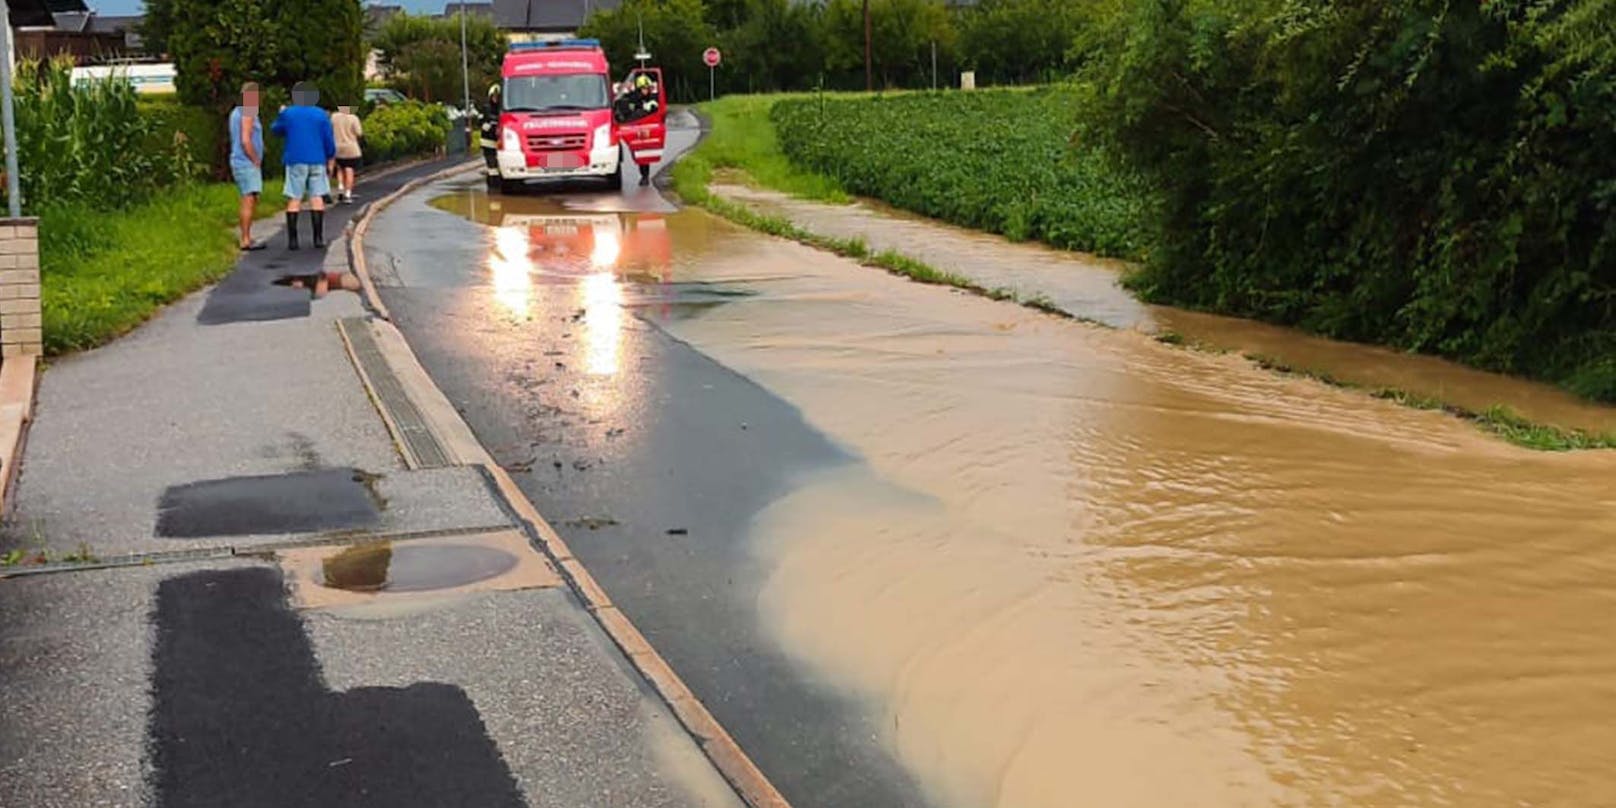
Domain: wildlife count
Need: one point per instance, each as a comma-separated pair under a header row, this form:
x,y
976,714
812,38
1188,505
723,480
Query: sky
x,y
134,6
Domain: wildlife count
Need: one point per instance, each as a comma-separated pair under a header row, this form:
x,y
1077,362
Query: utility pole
x,y
934,65
13,187
465,84
869,64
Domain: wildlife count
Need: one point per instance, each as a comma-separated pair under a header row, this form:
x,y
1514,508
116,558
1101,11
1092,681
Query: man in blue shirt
x,y
310,146
247,159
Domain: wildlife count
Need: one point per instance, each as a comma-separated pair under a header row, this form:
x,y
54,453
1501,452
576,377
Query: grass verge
x,y
742,139
1498,419
104,272
1508,424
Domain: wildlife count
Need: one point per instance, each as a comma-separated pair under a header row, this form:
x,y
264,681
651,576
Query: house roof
x,y
375,16
115,23
475,9
72,21
547,15
30,14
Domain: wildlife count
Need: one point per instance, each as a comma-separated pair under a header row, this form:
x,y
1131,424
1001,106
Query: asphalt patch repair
x,y
297,502
242,717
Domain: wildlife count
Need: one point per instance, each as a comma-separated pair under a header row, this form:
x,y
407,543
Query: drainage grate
x,y
410,429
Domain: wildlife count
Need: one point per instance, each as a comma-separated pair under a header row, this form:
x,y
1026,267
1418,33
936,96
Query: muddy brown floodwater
x,y
1079,567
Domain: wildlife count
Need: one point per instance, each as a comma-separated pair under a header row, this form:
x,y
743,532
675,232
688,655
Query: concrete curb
x,y
18,378
716,743
357,226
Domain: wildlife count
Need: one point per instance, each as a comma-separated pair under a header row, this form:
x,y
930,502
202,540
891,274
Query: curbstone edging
x,y
357,226
18,379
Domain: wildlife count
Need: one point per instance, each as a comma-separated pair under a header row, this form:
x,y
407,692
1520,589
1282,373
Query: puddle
x,y
391,579
412,567
616,265
1082,566
298,502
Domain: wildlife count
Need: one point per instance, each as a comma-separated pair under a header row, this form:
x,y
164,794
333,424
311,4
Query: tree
x,y
902,33
676,33
421,55
775,47
217,45
1023,41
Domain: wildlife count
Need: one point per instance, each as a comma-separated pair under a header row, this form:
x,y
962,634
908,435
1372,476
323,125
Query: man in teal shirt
x,y
247,159
310,147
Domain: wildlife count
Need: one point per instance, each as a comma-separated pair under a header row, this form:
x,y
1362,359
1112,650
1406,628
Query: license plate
x,y
562,162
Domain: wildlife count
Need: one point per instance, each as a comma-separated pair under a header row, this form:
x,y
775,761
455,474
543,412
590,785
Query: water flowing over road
x,y
913,546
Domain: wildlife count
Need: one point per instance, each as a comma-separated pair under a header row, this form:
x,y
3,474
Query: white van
x,y
147,78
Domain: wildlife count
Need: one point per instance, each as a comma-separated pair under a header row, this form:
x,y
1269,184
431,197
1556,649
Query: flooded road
x,y
913,546
1088,287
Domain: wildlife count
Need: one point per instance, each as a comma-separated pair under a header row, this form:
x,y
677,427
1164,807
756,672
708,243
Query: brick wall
x,y
20,333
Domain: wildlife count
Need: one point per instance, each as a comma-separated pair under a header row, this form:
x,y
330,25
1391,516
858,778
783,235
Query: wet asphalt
x,y
206,677
652,473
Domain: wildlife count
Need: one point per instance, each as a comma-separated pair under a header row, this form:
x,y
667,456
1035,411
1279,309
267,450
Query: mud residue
x,y
1081,567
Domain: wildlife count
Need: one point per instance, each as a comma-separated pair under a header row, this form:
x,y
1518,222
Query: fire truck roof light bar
x,y
556,44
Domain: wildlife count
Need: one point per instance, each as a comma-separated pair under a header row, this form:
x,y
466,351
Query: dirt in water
x,y
1088,287
1373,367
1082,567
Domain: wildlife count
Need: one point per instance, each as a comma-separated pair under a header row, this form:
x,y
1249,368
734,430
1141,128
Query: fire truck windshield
x,y
572,91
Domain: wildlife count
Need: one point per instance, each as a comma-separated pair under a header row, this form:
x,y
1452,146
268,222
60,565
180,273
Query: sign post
x,y
713,59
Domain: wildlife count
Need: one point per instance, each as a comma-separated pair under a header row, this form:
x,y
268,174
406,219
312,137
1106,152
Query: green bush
x,y
393,131
1437,176
200,131
89,144
992,160
216,45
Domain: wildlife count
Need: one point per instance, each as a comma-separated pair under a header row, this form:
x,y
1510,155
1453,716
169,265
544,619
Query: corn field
x,y
88,144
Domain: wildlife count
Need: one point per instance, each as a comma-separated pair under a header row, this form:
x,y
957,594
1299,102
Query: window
x,y
546,93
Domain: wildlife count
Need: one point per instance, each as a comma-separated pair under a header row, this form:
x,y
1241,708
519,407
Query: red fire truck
x,y
560,117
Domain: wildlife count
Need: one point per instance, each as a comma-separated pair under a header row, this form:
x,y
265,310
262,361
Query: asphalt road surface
x,y
542,316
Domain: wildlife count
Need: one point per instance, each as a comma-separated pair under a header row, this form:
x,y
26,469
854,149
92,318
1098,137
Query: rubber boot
x,y
319,228
645,175
291,230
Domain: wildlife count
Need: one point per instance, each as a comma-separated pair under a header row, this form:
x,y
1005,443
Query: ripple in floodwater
x,y
1080,567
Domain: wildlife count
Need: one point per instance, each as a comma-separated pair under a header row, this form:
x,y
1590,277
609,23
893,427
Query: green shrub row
x,y
393,131
994,160
1432,175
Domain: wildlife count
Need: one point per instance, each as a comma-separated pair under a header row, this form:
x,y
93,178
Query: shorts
x,y
349,162
249,178
306,180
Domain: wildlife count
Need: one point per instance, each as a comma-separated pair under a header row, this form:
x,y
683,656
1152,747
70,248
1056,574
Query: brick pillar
x,y
20,326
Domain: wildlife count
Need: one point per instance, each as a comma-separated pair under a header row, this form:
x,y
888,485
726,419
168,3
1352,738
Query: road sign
x,y
712,57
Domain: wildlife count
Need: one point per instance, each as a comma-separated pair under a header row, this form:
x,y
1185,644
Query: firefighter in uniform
x,y
488,138
640,101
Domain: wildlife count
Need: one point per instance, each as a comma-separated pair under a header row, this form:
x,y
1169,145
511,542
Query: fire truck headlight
x,y
510,141
603,136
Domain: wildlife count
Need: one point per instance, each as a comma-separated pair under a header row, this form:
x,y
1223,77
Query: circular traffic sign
x,y
712,57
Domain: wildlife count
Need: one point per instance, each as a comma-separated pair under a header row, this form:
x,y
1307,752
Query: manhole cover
x,y
411,567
